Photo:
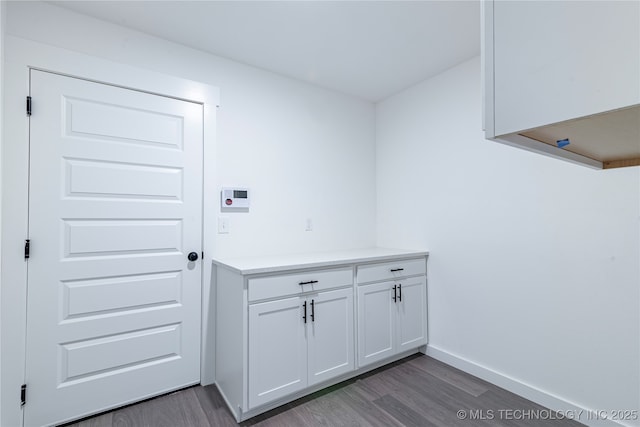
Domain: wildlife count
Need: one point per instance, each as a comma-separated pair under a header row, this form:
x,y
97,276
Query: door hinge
x,y
27,248
23,394
28,106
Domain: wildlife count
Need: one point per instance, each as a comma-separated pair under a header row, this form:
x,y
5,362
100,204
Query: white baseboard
x,y
586,416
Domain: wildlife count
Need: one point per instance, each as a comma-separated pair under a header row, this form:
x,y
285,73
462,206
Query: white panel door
x,y
277,349
113,311
376,322
330,335
411,309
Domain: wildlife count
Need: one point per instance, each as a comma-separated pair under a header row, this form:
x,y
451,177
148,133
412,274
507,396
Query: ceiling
x,y
368,49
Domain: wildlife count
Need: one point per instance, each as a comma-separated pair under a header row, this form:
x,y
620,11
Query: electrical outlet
x,y
309,226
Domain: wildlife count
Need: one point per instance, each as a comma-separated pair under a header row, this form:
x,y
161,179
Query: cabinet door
x,y
559,60
376,322
277,350
411,313
330,334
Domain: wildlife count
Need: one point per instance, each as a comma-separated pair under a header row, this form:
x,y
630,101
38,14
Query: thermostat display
x,y
234,198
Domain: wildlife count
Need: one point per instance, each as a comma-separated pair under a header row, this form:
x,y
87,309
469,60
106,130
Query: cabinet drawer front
x,y
391,270
298,283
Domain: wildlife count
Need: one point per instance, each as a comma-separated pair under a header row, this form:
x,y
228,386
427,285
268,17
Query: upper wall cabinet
x,y
562,78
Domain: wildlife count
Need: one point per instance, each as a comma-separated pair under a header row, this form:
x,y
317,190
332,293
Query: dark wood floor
x,y
417,391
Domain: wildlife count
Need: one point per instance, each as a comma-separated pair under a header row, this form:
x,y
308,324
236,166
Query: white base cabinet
x,y
286,328
376,323
297,342
392,318
411,314
277,350
330,336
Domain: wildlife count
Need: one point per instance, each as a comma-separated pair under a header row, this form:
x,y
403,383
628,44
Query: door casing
x,y
20,56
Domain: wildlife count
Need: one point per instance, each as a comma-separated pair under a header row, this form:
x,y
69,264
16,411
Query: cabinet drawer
x,y
298,283
391,270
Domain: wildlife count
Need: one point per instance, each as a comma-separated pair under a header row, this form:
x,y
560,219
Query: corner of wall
x,y
2,32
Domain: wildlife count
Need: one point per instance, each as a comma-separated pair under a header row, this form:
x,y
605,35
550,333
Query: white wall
x,y
294,145
534,266
3,25
535,269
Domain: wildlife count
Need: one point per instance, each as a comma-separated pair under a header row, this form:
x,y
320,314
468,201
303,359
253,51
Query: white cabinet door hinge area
x,y
298,342
330,335
277,350
392,317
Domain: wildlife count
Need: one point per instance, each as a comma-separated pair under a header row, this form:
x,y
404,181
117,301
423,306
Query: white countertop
x,y
276,263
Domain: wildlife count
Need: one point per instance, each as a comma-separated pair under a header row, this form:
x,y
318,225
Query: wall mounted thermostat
x,y
234,198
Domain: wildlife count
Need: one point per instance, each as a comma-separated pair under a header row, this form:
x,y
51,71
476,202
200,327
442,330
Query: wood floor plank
x,y
387,383
465,382
214,406
330,410
378,385
186,409
179,409
102,420
285,418
129,416
520,412
401,412
416,391
362,402
436,400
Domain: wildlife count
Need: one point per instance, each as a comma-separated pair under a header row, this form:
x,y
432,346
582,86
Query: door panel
x,y
412,314
84,360
376,323
277,350
108,295
121,236
97,119
116,180
330,335
113,309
